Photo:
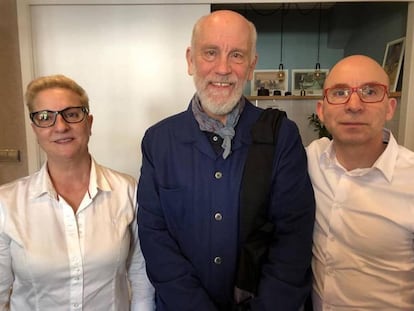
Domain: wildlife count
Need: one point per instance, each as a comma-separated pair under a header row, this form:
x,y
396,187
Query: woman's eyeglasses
x,y
47,118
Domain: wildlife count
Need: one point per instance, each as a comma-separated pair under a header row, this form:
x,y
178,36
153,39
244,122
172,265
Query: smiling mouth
x,y
222,84
63,140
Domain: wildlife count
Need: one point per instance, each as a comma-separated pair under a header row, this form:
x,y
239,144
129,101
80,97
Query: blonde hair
x,y
50,82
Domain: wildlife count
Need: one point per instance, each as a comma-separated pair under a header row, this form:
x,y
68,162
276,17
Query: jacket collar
x,y
189,132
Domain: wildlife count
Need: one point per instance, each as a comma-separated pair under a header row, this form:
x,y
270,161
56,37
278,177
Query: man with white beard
x,y
191,176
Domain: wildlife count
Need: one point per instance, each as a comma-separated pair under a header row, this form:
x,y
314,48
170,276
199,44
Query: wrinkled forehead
x,y
224,28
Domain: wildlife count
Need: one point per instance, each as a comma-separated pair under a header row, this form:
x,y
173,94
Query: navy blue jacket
x,y
188,216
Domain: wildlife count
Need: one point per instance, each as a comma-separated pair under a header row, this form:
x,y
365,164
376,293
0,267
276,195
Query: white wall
x,y
129,58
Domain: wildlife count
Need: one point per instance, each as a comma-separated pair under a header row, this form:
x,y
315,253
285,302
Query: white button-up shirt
x,y
56,260
363,236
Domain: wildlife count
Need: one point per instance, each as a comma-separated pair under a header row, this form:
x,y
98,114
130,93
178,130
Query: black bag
x,y
256,230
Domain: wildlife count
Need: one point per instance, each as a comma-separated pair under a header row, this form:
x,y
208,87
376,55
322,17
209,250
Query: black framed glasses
x,y
47,118
367,93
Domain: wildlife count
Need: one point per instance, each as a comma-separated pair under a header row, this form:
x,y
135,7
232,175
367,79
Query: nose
x,y
60,123
354,103
223,65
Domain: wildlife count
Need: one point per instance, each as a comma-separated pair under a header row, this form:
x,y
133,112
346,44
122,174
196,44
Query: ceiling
x,y
273,6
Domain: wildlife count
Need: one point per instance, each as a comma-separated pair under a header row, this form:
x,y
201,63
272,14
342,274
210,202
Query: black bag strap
x,y
256,231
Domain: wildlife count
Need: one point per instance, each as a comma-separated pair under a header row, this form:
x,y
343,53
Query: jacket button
x,y
218,216
217,260
218,175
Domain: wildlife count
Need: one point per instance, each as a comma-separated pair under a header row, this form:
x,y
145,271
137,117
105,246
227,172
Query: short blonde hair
x,y
50,82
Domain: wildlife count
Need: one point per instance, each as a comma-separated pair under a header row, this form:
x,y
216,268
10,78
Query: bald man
x,y
191,176
363,257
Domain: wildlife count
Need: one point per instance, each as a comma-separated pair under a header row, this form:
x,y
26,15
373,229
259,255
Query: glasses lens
x,y
43,118
338,95
372,93
73,114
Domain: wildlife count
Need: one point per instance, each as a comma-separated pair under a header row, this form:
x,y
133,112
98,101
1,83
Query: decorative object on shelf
x,y
317,73
281,73
269,79
393,57
318,126
262,91
305,82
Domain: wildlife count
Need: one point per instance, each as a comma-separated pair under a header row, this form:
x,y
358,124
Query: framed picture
x,y
305,82
393,57
269,79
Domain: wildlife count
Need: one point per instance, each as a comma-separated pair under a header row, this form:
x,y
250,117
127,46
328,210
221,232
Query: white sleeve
x,y
142,291
6,273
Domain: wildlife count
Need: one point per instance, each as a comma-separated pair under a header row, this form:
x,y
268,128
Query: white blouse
x,y
53,259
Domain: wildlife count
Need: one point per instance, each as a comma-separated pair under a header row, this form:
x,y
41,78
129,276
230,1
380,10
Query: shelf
x,y
294,97
290,97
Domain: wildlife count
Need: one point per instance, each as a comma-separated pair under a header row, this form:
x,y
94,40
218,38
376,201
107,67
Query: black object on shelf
x,y
262,91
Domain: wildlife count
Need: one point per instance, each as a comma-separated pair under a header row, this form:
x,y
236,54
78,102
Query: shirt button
x,y
218,175
217,260
215,138
218,217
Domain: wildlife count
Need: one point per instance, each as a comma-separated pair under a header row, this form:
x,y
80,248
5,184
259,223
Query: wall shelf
x,y
289,97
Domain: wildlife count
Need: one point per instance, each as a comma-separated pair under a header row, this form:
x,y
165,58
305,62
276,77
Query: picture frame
x,y
393,58
305,82
269,80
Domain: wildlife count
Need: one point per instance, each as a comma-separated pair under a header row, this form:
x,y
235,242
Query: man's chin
x,y
220,108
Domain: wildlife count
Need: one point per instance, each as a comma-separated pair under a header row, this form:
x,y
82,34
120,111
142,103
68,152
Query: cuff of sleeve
x,y
143,306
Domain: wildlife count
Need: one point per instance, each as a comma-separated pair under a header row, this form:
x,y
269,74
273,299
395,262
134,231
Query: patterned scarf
x,y
208,124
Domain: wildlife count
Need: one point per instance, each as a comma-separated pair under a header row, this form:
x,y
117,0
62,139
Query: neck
x,y
71,179
361,156
70,167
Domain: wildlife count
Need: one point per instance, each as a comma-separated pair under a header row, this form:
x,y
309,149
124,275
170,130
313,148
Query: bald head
x,y
225,19
356,70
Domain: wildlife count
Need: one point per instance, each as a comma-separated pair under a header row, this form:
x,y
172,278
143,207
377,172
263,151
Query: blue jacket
x,y
188,216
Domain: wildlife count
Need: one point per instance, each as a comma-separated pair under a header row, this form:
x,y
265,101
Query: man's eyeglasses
x,y
47,118
368,93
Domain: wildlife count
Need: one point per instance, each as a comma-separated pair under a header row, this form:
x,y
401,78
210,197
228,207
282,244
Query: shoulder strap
x,y
256,231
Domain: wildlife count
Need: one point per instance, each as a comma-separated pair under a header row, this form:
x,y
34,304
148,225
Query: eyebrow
x,y
216,47
347,85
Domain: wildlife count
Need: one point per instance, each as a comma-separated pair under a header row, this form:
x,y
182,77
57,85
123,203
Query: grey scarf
x,y
208,124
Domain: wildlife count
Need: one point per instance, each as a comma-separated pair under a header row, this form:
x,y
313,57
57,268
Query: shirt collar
x,y
98,180
42,184
385,162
